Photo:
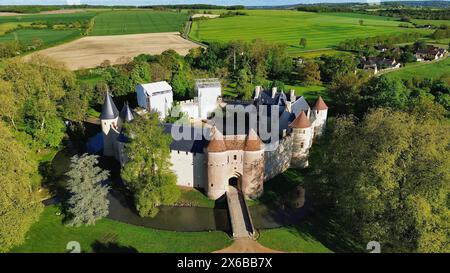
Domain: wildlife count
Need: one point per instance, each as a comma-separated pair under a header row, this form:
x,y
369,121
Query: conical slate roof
x,y
126,115
253,142
320,104
301,121
109,110
217,143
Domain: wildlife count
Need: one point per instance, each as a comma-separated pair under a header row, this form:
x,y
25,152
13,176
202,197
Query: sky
x,y
159,2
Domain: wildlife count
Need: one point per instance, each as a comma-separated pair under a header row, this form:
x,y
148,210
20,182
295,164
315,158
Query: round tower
x,y
109,120
320,110
217,160
302,134
253,174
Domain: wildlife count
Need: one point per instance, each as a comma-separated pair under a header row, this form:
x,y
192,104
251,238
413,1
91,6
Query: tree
x,y
88,202
148,172
387,178
39,87
384,92
243,86
361,22
309,73
19,205
302,42
345,93
332,66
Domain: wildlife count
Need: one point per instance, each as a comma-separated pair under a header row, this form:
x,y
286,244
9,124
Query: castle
x,y
214,161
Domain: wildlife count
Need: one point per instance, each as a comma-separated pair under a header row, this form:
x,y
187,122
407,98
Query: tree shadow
x,y
111,247
327,231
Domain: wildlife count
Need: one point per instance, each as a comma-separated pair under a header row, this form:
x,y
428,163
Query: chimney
x,y
257,91
274,92
289,106
292,95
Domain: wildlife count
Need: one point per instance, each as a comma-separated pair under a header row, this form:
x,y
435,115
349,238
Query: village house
x,y
430,53
377,64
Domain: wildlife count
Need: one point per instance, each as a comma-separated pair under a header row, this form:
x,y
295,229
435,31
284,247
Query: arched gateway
x,y
235,160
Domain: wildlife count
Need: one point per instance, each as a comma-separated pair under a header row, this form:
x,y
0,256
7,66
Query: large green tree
x,y
39,87
148,170
388,178
88,201
19,205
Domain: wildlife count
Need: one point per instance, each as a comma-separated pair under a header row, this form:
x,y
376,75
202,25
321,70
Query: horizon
x,y
190,2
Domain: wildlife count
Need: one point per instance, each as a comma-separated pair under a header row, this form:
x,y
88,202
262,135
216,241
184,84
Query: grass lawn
x,y
195,198
318,232
135,21
50,235
433,70
289,239
322,30
48,36
311,92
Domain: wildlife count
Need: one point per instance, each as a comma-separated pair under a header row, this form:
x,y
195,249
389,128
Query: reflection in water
x,y
199,219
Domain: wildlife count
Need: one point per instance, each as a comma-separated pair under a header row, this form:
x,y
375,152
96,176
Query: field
x,y
132,22
50,235
322,30
91,51
50,18
434,70
48,36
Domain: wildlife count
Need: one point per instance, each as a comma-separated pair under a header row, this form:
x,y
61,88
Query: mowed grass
x,y
50,235
433,70
48,36
133,22
322,30
290,239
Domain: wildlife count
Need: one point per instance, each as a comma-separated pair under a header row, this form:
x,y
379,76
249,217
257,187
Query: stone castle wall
x,y
278,160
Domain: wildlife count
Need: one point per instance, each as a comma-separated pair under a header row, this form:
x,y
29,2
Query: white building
x,y
155,97
207,93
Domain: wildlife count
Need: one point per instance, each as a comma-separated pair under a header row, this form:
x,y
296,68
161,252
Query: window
x,y
235,157
178,152
186,153
302,145
212,185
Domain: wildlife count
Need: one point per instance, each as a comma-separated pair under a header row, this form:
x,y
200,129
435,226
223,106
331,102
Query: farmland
x,y
91,51
48,36
133,22
321,30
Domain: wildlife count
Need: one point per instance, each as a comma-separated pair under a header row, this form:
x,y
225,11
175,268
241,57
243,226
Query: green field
x,y
50,235
134,21
48,36
322,30
50,18
434,70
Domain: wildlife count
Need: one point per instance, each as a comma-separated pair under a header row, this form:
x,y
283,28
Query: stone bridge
x,y
241,221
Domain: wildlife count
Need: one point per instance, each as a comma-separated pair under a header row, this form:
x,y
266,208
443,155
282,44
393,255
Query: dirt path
x,y
246,245
92,51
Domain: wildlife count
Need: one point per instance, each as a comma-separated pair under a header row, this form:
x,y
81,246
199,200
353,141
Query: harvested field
x,y
199,15
92,51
